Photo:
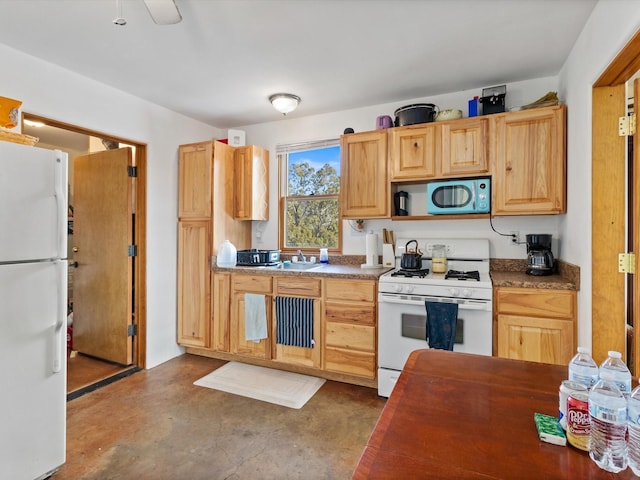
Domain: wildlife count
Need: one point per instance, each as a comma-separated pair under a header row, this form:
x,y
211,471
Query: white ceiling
x,y
226,57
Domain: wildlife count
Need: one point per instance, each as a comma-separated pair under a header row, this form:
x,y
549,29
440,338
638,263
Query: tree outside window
x,y
311,185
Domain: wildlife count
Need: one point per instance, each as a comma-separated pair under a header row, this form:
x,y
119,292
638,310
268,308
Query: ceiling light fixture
x,y
163,12
284,102
119,20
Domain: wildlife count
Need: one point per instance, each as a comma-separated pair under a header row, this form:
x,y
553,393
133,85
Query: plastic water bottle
x,y
583,369
615,370
227,255
633,430
608,416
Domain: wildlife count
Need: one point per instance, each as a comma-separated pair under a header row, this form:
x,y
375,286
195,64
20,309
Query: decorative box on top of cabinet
x,y
529,161
364,181
537,325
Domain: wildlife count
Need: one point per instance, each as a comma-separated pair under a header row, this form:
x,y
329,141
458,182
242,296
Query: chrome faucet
x,y
302,257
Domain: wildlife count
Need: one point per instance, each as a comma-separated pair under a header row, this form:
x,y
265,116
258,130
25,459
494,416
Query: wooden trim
x,y
624,66
608,222
140,261
634,300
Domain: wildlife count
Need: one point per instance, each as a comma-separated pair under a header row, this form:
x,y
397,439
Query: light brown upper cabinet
x,y
464,147
413,152
251,183
364,183
195,180
436,150
529,170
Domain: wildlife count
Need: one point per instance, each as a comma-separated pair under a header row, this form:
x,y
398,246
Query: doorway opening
x,y
107,288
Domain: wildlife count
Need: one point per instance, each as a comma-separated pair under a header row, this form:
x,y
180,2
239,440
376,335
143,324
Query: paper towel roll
x,y
371,246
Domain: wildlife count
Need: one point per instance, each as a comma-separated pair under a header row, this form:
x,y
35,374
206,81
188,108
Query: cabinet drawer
x,y
354,290
298,287
359,313
350,336
541,303
350,362
251,283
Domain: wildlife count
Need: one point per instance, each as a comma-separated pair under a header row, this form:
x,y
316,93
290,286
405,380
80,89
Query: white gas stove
x,y
403,295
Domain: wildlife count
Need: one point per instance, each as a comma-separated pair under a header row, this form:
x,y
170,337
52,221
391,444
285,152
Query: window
x,y
309,189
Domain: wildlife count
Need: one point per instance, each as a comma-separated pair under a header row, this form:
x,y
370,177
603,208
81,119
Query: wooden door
x,y
103,232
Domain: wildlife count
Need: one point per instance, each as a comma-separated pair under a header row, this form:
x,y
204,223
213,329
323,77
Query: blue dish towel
x,y
255,317
294,321
441,324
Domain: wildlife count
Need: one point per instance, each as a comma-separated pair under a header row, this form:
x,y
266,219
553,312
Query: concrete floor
x,y
157,424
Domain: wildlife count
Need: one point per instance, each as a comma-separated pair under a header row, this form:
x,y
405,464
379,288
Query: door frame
x,y
608,224
140,226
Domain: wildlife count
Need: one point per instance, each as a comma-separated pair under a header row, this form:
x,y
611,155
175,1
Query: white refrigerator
x,y
33,311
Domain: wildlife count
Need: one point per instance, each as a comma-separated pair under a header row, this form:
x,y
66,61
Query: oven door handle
x,y
463,304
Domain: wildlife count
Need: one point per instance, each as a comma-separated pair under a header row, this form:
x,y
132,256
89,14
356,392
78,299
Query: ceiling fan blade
x,y
163,12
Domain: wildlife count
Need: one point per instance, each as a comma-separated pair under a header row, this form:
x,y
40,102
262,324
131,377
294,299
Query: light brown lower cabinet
x,y
194,288
221,310
301,287
538,325
350,319
344,328
241,285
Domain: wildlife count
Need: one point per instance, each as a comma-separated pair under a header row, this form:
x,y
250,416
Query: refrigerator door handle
x,y
60,191
61,315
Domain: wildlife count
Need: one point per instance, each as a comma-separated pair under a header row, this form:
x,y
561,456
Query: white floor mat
x,y
291,390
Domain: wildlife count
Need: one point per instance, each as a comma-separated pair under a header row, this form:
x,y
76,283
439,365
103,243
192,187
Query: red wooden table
x,y
462,416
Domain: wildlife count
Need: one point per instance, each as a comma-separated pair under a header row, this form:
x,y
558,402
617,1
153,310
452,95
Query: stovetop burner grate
x,y
458,275
411,273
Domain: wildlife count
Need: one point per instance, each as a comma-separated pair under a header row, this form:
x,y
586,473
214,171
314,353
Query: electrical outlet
x,y
515,237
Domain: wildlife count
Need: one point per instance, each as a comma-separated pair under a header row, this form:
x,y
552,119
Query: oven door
x,y
402,324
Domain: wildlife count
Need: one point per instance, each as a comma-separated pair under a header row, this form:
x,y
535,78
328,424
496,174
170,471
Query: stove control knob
x,y
397,288
466,293
454,292
410,288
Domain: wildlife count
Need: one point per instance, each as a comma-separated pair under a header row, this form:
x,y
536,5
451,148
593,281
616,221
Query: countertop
x,y
457,415
511,273
339,269
504,272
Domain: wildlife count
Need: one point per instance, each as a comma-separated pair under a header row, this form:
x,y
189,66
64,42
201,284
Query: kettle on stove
x,y
540,259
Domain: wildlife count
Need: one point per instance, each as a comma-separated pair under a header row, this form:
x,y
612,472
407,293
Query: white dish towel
x,y
255,317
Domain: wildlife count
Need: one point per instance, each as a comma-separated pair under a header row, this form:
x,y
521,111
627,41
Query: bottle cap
x,y
614,354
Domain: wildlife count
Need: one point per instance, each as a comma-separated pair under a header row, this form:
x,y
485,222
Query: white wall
x,y
609,28
50,91
331,125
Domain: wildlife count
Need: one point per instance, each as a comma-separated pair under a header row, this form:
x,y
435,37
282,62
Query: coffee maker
x,y
539,256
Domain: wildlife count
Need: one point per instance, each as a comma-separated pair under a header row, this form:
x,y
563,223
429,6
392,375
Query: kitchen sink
x,y
300,266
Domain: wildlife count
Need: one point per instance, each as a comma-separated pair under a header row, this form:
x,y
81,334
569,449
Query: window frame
x,y
282,155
